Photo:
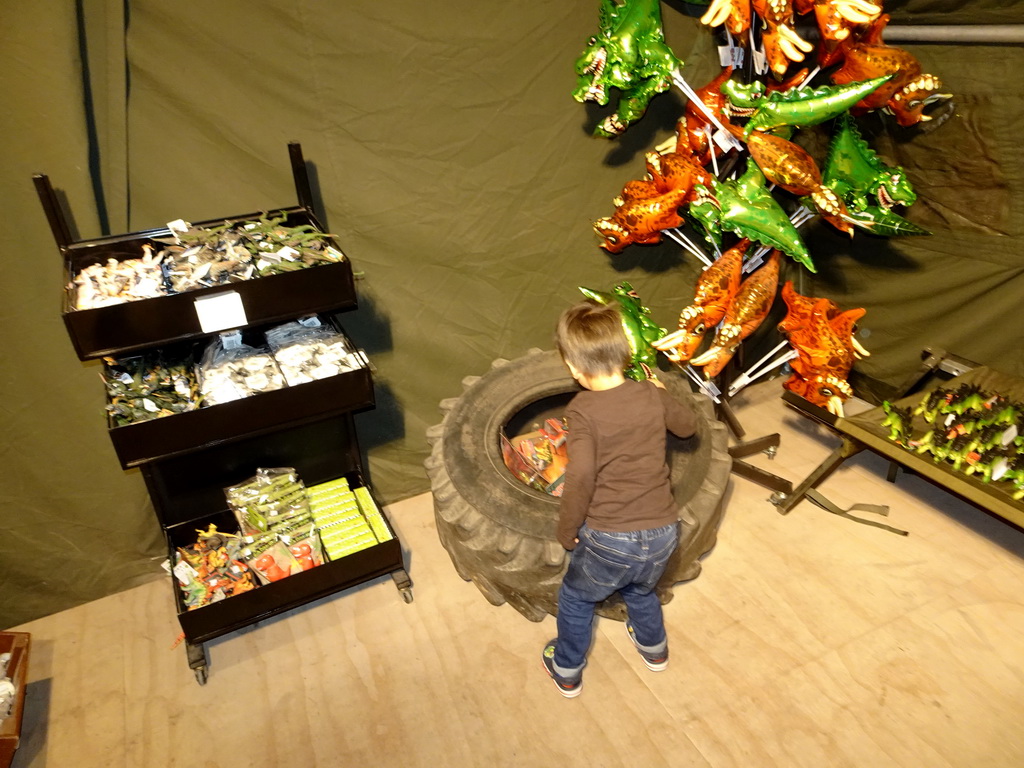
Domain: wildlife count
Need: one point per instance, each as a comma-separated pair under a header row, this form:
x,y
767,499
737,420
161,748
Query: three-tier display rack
x,y
187,459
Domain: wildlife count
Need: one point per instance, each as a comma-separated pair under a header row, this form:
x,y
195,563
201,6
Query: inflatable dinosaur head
x,y
894,188
908,104
822,389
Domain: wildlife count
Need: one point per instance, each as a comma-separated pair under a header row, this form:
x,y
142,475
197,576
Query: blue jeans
x,y
604,563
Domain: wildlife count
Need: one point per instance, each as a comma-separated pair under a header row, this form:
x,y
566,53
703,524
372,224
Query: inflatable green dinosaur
x,y
629,53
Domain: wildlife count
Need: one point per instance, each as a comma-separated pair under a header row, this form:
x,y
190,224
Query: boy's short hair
x,y
590,336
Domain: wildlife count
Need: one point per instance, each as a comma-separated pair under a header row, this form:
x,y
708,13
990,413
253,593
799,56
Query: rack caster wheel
x,y
777,498
771,451
196,655
404,584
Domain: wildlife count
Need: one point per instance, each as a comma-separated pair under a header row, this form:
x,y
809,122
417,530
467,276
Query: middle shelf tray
x,y
174,435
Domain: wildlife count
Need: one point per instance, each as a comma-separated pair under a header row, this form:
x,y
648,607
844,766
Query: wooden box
x,y
17,644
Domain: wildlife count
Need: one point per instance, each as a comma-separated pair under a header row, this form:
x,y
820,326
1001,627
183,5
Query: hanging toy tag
x,y
730,55
759,60
724,140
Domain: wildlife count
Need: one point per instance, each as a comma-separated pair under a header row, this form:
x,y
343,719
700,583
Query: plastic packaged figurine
x,y
148,386
308,350
278,528
231,370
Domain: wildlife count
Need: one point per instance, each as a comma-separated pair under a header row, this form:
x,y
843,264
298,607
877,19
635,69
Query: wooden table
x,y
865,431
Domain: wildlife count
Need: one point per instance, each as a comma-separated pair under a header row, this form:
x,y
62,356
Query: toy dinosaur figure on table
x,y
898,420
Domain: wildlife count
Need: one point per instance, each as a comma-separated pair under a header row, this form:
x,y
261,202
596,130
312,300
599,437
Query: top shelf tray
x,y
136,325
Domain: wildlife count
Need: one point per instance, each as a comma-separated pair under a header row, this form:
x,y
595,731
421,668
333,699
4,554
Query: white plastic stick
x,y
684,86
779,346
681,239
756,260
684,241
801,215
810,76
707,387
749,375
711,148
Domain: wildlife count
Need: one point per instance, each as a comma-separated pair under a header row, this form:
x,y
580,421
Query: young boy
x,y
617,514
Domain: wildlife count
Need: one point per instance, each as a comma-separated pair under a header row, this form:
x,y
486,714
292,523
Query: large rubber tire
x,y
500,533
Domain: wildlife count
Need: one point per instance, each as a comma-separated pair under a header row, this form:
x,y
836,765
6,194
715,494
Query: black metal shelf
x,y
187,459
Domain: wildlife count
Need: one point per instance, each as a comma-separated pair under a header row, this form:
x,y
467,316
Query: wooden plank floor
x,y
808,640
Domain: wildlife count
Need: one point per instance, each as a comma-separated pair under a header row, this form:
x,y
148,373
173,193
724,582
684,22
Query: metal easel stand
x,y
784,501
932,359
767,444
848,447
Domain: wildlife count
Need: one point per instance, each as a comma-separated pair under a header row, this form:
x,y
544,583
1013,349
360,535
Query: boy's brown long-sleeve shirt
x,y
617,478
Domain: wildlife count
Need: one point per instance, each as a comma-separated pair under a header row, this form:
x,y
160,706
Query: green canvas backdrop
x,y
462,181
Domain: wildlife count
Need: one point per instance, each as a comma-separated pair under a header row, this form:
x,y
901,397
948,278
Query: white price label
x,y
231,339
725,141
185,573
760,62
730,56
220,311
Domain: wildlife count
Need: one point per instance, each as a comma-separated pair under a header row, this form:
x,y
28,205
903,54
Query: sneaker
x,y
566,687
654,661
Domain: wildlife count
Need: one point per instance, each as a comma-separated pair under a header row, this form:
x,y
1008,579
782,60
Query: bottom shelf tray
x,y
230,614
